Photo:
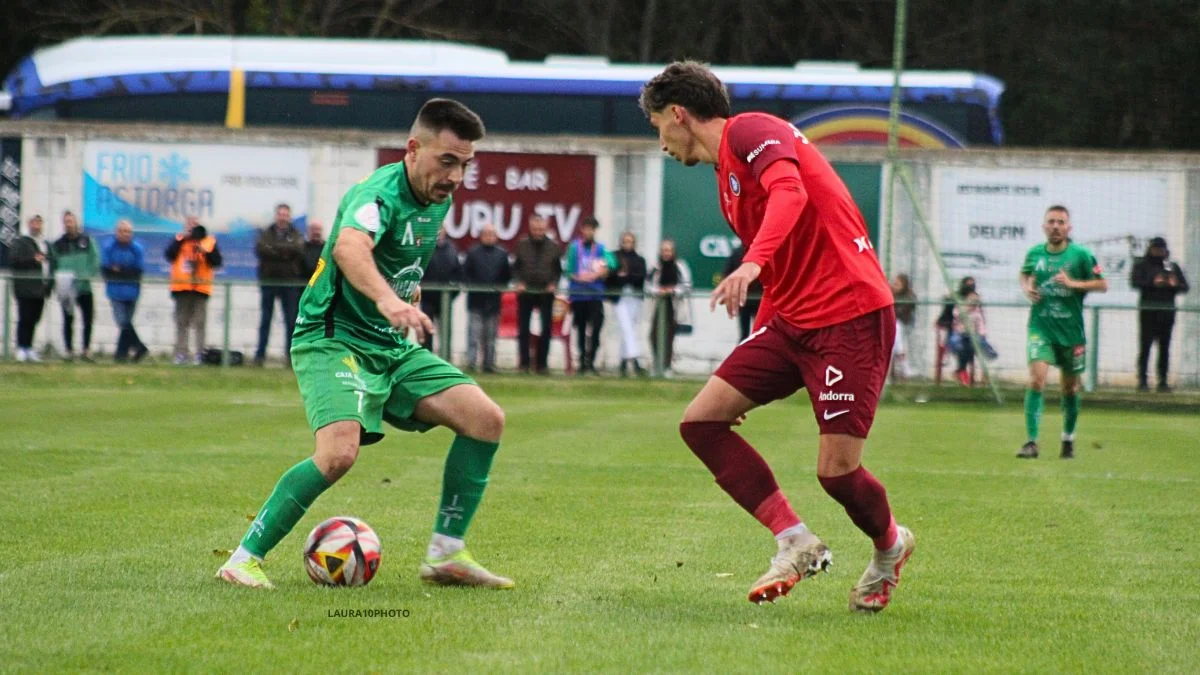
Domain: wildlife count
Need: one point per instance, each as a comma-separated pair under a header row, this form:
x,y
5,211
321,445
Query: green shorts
x,y
340,381
1070,358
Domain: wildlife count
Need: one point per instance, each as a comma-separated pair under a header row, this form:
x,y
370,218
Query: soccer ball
x,y
342,551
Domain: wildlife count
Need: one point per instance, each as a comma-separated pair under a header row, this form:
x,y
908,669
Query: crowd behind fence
x,y
703,338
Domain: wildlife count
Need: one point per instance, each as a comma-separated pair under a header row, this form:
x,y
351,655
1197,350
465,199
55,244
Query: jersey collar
x,y
406,186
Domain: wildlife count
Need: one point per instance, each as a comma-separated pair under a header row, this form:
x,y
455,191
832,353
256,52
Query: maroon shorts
x,y
843,366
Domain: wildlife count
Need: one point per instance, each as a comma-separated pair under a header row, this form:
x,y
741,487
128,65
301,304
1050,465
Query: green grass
x,y
118,484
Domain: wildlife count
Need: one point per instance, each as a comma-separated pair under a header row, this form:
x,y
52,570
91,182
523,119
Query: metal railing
x,y
1112,331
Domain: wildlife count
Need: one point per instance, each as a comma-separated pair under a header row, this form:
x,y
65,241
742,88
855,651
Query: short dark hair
x,y
1059,207
283,205
690,84
591,221
440,114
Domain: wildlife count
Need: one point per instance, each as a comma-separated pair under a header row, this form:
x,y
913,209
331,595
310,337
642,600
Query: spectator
x,y
486,265
753,293
443,268
194,257
670,284
945,320
280,252
629,279
76,263
122,263
906,309
588,263
536,269
1158,280
313,246
29,257
969,317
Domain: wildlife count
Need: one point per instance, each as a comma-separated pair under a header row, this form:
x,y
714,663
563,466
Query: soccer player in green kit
x,y
1055,277
358,360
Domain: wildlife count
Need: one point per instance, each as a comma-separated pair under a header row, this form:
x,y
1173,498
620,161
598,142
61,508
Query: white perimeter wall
x,y
628,196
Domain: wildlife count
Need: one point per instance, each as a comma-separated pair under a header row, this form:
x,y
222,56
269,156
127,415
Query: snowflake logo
x,y
173,169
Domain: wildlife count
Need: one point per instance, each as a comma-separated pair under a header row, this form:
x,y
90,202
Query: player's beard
x,y
440,192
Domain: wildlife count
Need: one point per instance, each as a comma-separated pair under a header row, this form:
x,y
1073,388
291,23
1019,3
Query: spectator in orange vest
x,y
194,257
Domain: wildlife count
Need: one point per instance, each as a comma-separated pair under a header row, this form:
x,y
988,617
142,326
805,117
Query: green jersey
x,y
382,206
1058,316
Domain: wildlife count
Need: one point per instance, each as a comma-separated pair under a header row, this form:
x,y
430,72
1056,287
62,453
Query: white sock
x,y
441,546
1068,437
892,552
241,555
793,531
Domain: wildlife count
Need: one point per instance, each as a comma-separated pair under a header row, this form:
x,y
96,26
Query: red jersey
x,y
824,270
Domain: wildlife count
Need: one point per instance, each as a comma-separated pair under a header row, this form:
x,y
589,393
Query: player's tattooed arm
x,y
352,253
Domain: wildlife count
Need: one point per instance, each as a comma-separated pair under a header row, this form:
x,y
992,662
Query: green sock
x,y
1033,413
466,476
296,490
1070,406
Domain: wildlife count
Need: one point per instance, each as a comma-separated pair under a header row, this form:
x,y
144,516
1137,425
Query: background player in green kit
x,y
1056,276
357,366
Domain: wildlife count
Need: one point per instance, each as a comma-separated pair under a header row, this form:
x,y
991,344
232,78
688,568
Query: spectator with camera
x,y
1158,280
194,258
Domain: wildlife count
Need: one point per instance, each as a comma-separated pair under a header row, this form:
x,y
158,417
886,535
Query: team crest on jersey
x,y
734,186
405,282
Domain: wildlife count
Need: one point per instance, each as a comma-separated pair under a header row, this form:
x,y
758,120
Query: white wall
x,y
628,196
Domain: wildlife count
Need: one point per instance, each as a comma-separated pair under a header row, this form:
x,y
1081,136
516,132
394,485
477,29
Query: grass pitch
x,y
119,483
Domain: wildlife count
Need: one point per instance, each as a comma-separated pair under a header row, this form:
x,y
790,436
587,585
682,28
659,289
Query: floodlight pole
x,y
893,137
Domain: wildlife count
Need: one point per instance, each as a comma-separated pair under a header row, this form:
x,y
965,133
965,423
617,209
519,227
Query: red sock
x,y
866,503
741,472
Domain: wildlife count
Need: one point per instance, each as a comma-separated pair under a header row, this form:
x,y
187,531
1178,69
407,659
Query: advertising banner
x,y
991,217
232,189
504,188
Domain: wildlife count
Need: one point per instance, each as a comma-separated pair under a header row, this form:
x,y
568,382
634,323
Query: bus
x,y
380,84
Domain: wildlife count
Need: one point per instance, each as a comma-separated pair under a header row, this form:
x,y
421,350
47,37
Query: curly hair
x,y
689,84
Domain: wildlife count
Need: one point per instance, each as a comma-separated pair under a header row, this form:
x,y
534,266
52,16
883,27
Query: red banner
x,y
504,188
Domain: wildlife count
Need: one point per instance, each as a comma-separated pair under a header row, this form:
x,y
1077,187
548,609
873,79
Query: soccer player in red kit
x,y
826,324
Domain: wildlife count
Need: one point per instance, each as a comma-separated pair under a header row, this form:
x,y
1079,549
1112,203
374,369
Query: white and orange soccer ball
x,y
342,551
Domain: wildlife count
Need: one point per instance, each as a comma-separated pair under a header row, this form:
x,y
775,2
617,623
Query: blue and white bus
x,y
379,84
